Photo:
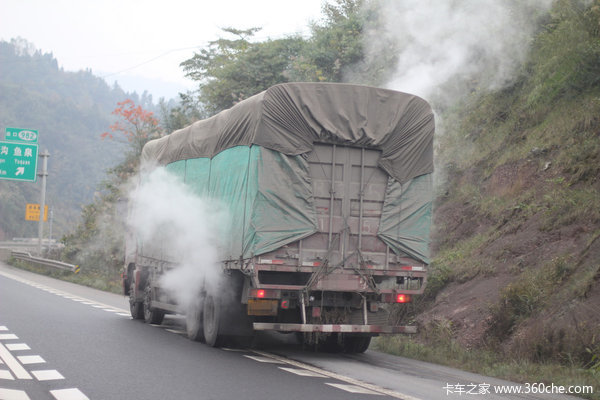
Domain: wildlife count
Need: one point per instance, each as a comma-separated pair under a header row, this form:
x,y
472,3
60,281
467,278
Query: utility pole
x,y
43,175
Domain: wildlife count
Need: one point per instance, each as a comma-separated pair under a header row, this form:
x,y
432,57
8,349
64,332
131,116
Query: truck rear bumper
x,y
263,326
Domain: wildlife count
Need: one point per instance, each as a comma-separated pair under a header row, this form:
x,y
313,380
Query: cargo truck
x,y
330,191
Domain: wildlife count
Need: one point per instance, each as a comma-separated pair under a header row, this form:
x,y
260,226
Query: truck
x,y
330,191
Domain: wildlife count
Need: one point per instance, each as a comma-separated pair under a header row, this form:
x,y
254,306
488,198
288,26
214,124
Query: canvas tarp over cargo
x,y
250,156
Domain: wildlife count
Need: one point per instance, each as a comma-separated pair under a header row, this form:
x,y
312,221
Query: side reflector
x,y
402,298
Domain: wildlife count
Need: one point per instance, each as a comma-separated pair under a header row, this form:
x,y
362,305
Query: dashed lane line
x,y
25,360
13,364
69,394
17,346
47,375
4,374
11,394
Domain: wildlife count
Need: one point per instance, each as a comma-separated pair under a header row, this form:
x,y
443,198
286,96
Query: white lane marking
x,y
263,359
5,374
123,314
303,372
354,389
68,394
10,394
13,364
47,375
338,377
8,336
17,346
3,328
31,360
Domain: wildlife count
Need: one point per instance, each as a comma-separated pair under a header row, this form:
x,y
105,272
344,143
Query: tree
x,y
337,51
230,70
138,126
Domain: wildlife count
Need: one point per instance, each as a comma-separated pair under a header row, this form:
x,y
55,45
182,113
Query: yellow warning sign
x,y
32,212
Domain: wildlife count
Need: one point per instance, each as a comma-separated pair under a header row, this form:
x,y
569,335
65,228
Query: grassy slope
x,y
517,222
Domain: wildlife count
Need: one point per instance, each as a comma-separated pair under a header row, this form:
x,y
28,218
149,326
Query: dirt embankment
x,y
521,271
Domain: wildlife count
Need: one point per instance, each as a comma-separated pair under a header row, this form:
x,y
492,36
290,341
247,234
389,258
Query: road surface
x,y
68,342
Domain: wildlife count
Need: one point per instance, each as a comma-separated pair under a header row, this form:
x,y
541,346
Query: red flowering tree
x,y
136,126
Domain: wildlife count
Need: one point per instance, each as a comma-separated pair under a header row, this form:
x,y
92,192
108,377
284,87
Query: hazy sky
x,y
140,43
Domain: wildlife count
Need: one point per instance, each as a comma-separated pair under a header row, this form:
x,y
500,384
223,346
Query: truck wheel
x,y
193,322
151,315
135,306
212,320
356,344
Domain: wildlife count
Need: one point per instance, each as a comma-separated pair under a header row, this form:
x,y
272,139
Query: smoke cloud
x,y
456,44
175,224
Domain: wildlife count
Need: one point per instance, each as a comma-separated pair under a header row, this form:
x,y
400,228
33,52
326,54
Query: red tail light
x,y
402,298
264,294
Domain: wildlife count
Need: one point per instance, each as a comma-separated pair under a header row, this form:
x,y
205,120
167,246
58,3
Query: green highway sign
x,y
21,135
18,160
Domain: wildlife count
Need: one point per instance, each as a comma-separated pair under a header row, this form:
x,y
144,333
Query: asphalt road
x,y
67,342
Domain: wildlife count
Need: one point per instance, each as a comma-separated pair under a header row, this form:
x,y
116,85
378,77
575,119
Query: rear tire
x,y
194,321
135,306
212,320
151,315
356,344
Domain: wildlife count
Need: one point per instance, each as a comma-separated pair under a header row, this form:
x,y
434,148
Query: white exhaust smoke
x,y
175,224
447,44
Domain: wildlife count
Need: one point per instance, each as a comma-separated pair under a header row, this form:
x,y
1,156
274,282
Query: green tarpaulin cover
x,y
250,157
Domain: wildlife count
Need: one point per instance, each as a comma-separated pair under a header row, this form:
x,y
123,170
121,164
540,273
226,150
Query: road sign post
x,y
43,175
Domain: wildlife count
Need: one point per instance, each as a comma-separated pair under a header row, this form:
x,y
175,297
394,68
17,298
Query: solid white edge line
x,y
269,360
339,377
31,283
354,389
303,372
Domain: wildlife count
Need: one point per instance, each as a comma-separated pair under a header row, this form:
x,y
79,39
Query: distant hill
x,y
70,110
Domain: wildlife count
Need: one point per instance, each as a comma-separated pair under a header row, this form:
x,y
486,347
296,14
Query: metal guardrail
x,y
25,256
